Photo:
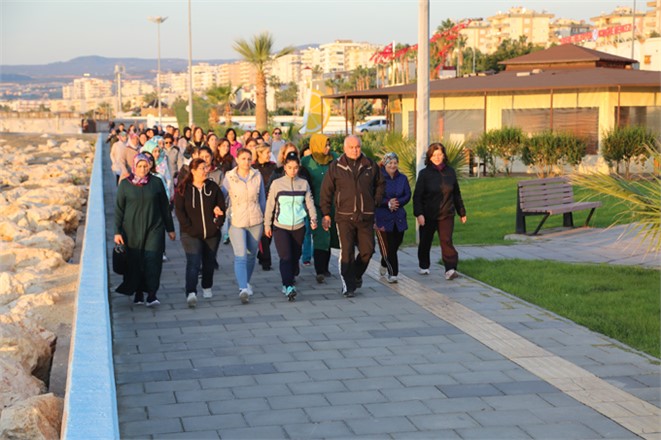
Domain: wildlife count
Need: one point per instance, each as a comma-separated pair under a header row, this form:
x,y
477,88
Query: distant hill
x,y
14,78
102,67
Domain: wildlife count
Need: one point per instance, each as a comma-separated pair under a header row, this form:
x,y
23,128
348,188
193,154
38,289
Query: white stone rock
x,y
37,261
16,383
25,341
12,232
53,240
69,195
10,288
37,418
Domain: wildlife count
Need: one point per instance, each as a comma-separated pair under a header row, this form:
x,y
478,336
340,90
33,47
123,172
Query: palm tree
x,y
223,96
258,53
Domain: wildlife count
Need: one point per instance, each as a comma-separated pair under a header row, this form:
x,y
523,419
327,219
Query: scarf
x,y
140,181
318,148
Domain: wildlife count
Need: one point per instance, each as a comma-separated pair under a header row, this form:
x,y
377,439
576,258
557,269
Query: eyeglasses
x,y
168,142
276,133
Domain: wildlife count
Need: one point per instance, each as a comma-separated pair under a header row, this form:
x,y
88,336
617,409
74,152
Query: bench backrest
x,y
545,192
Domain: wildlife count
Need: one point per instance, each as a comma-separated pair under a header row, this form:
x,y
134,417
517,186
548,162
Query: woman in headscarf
x,y
317,166
154,146
142,216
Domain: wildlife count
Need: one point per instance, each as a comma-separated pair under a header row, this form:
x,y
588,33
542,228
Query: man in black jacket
x,y
354,183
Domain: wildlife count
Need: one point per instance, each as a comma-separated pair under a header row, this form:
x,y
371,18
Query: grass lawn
x,y
491,211
620,302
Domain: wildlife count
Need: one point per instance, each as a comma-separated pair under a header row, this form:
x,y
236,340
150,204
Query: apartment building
x,y
477,35
287,68
87,88
517,22
336,56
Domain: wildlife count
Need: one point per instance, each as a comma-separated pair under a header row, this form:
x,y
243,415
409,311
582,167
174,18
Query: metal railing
x,y
90,406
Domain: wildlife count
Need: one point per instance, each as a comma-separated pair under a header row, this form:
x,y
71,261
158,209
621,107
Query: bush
x,y
504,143
546,151
626,145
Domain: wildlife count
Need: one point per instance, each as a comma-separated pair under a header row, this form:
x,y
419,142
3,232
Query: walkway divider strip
x,y
90,405
636,415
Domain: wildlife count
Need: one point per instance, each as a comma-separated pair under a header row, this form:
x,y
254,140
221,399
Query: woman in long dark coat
x,y
142,216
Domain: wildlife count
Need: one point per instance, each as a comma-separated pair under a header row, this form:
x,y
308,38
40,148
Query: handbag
x,y
119,259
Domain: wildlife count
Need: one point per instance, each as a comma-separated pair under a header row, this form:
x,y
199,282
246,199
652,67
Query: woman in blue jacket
x,y
390,217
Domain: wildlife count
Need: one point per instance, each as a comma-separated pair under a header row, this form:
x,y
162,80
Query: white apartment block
x,y
87,88
334,56
138,88
310,57
477,35
517,22
287,68
360,56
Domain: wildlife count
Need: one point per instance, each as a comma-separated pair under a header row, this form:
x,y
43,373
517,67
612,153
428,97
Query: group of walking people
x,y
321,198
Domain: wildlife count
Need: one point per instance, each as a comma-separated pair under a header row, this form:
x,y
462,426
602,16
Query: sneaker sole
x,y
153,303
244,297
452,277
292,297
192,304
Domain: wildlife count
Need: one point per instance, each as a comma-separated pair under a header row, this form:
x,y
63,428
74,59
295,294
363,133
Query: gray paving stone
x,y
378,383
392,409
430,380
607,428
525,387
443,421
569,430
236,406
336,413
380,426
355,397
518,401
212,422
469,390
445,434
147,399
261,391
276,417
335,373
203,395
304,401
130,389
199,435
458,404
151,427
314,387
227,382
318,430
516,417
178,410
504,433
411,393
252,433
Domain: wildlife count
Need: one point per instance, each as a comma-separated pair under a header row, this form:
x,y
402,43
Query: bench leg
x,y
587,220
541,224
568,220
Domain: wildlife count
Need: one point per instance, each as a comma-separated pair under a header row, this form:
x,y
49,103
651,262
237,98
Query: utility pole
x,y
633,27
190,67
158,20
422,104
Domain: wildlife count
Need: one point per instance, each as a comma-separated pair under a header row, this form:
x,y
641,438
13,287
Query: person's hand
x,y
313,225
421,220
217,211
268,233
326,222
463,219
393,204
172,235
119,239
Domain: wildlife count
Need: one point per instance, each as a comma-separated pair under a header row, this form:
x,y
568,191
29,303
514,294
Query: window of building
x,y
646,116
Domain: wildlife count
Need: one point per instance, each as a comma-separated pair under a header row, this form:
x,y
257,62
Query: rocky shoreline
x,y
43,192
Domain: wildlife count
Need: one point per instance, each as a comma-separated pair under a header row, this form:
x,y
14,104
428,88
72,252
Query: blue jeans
x,y
199,252
307,243
245,242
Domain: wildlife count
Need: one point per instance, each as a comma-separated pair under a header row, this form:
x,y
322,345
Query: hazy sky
x,y
45,31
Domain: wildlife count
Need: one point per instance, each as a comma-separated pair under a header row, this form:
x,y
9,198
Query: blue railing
x,y
90,406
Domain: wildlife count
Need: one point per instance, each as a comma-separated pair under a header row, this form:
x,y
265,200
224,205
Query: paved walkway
x,y
615,245
425,358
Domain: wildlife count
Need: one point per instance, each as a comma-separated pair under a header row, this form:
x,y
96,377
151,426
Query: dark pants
x,y
445,227
321,260
389,243
352,235
199,252
289,244
264,253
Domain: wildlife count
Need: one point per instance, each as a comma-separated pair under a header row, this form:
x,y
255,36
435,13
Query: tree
x,y
509,49
626,145
149,97
288,96
258,52
223,97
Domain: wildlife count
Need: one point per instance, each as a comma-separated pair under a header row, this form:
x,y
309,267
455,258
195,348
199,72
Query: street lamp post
x,y
190,67
158,20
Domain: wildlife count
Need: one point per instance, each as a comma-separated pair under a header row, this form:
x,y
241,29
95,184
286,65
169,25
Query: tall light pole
x,y
190,68
158,20
422,104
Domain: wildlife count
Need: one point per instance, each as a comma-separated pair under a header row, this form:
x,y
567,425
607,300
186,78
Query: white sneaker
x,y
191,299
451,274
422,271
392,279
249,289
383,271
207,293
244,296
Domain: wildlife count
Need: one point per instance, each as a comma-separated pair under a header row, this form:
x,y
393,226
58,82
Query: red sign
x,y
592,36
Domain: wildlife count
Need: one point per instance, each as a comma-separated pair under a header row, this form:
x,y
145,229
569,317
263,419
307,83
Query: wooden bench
x,y
548,197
